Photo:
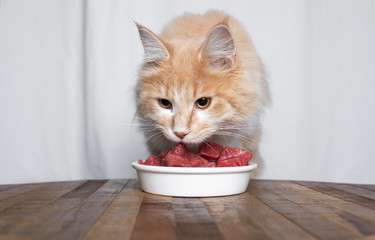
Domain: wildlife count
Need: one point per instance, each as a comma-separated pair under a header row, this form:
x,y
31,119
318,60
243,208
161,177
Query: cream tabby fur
x,y
201,56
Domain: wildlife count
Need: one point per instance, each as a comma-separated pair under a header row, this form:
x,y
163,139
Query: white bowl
x,y
192,181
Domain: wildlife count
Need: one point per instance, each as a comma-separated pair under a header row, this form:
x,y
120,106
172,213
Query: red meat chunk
x,y
162,155
210,151
229,152
209,155
197,161
174,160
152,161
179,149
210,164
230,162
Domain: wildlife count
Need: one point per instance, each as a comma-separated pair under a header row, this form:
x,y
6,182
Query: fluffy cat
x,y
201,80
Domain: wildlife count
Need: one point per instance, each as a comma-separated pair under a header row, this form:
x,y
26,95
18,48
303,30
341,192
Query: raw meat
x,y
209,155
152,161
230,162
210,151
229,153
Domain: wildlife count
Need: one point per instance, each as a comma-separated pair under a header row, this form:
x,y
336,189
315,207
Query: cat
x,y
201,80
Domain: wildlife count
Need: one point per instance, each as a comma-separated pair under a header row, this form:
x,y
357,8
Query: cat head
x,y
191,88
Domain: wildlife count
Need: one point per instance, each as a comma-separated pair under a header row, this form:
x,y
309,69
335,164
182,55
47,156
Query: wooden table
x,y
118,209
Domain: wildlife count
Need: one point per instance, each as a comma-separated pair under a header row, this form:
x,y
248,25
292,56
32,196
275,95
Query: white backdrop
x,y
68,69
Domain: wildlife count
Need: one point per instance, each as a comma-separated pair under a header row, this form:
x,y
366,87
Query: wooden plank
x,y
351,212
193,221
118,220
232,223
361,217
75,223
14,196
356,189
38,222
367,186
368,238
118,209
321,220
155,219
6,187
340,217
33,201
271,222
346,195
21,189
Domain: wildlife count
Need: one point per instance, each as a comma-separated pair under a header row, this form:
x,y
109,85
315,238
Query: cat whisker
x,y
138,124
247,130
207,143
244,127
203,134
144,125
151,128
154,135
158,137
142,120
231,134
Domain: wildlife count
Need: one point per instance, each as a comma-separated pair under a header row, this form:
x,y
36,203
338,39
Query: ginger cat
x,y
201,80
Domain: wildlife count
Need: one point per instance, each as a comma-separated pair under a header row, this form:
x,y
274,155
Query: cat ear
x,y
219,47
154,48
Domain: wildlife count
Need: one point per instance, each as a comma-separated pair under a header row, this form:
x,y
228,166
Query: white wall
x,y
68,68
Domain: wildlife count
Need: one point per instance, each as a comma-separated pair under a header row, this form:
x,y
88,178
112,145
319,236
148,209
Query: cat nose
x,y
181,135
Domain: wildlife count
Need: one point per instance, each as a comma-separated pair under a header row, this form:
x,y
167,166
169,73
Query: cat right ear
x,y
154,48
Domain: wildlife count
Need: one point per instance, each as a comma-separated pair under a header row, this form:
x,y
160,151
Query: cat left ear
x,y
219,47
154,48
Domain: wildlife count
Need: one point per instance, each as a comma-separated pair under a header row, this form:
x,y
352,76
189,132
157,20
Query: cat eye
x,y
164,103
202,102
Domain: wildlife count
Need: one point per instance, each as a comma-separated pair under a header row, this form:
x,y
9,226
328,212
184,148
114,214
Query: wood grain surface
x,y
118,209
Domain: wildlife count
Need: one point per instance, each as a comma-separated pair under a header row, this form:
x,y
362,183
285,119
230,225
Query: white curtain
x,y
68,70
